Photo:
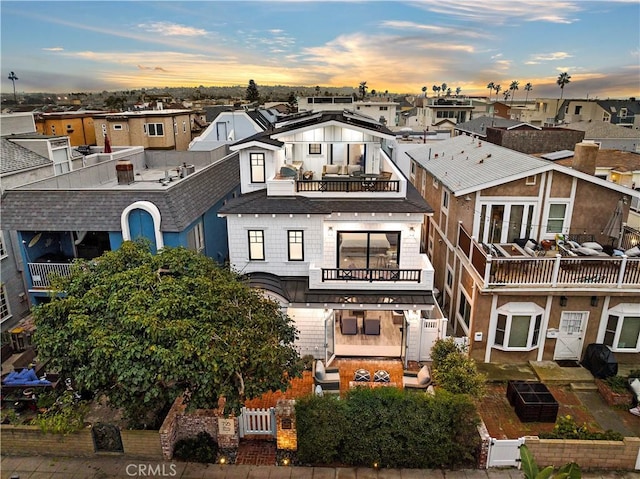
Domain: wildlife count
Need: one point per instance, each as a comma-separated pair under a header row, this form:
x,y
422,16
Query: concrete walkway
x,y
39,467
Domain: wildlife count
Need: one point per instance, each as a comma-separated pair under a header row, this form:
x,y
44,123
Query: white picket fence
x,y
258,422
504,452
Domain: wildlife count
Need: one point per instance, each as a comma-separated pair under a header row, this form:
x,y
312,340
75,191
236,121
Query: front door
x,y
329,338
571,335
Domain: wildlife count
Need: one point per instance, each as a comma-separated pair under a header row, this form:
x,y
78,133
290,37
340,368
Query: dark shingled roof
x,y
16,158
100,209
258,202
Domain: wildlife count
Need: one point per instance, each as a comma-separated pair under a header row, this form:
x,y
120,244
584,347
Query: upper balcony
x,y
382,179
555,271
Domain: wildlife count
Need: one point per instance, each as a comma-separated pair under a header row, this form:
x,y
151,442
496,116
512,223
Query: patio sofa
x,y
327,378
340,171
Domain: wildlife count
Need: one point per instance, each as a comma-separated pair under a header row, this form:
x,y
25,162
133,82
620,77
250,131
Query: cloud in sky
x,y
53,49
172,29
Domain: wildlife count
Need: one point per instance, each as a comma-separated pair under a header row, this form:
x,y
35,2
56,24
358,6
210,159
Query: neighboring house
x,y
621,167
407,140
435,112
513,302
24,156
378,109
478,125
607,135
78,126
230,126
329,227
170,198
624,113
151,129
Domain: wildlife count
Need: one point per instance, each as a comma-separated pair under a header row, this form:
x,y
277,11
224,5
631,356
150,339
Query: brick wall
x,y
31,440
531,141
485,438
287,434
611,455
141,443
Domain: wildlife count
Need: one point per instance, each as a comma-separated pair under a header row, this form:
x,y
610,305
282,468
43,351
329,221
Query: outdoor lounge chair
x,y
327,379
417,380
349,325
372,326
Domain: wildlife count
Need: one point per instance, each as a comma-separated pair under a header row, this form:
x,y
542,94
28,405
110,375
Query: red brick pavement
x,y
298,387
256,453
503,423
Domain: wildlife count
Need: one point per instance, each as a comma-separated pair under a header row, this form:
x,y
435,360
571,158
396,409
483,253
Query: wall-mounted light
x,y
594,301
412,232
563,300
330,231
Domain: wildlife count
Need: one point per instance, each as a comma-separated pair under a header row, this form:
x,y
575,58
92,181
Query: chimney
x,y
584,157
124,172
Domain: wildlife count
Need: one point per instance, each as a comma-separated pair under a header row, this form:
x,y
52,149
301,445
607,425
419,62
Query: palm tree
x,y
443,87
528,87
512,88
424,90
506,95
497,89
458,90
317,90
448,91
563,79
363,89
435,88
13,78
491,87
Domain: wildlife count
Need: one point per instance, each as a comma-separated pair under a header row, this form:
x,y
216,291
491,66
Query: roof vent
x,y
124,172
186,170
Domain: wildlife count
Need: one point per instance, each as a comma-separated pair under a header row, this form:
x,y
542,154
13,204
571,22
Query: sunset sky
x,y
397,46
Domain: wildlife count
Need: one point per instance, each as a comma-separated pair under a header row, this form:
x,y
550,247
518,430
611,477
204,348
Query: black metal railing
x,y
371,275
349,185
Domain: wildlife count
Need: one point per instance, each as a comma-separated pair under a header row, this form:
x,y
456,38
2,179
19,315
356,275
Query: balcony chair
x,y
327,378
372,326
417,380
348,325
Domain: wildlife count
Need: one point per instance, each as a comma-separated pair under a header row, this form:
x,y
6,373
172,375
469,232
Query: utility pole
x,y
13,78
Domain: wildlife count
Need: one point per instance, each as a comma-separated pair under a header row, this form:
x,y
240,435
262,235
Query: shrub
x,y
202,448
618,384
634,373
567,428
442,348
454,371
65,416
389,427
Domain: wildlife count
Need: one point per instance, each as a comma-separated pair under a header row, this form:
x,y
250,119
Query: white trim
x,y
519,308
543,327
491,334
155,216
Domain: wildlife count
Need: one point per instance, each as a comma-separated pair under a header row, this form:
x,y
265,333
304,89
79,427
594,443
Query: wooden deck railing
x,y
371,275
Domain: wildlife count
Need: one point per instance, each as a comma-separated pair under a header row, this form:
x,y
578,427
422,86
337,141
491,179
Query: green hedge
x,y
388,427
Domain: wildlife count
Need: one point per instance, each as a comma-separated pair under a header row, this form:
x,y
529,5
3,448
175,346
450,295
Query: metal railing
x,y
371,275
41,273
349,185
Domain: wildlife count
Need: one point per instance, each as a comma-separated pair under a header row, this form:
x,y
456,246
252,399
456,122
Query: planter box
x,y
613,398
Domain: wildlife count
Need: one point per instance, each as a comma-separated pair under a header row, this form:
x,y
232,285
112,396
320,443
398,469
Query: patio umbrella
x,y
614,226
107,144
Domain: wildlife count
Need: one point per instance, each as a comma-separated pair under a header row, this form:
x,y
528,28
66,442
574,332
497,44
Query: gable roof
x,y
465,165
67,209
478,126
17,158
618,160
258,202
598,130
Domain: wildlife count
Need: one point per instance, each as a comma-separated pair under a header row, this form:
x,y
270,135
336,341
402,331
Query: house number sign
x,y
226,426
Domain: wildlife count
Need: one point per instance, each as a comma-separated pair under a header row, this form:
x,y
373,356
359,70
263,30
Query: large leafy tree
x,y
142,328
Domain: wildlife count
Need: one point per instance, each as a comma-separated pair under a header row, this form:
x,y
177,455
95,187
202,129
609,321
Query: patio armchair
x,y
372,326
327,378
417,379
348,325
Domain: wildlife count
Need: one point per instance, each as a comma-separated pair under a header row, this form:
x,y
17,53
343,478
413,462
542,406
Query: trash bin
x,y
600,360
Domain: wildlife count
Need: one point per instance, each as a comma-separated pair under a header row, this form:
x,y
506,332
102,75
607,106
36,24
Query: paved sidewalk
x,y
40,467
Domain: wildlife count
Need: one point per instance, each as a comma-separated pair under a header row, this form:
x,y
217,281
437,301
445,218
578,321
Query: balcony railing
x,y
371,275
554,272
349,185
41,273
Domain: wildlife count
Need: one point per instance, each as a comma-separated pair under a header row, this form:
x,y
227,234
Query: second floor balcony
x,y
551,270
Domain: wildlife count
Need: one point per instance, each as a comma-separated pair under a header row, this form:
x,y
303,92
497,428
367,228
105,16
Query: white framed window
x,y
384,108
530,181
257,167
195,238
436,185
606,117
622,329
623,112
413,171
117,127
155,129
184,127
518,327
449,277
445,200
256,245
175,128
556,218
3,252
296,245
5,312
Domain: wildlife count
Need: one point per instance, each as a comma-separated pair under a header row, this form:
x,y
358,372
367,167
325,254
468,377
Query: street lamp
x,y
13,78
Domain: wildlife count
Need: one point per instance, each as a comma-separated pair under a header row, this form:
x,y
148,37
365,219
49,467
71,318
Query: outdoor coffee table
x,y
532,401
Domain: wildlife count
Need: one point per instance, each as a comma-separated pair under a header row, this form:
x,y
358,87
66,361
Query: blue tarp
x,y
26,377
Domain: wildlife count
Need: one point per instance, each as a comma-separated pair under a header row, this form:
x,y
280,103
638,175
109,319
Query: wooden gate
x,y
257,422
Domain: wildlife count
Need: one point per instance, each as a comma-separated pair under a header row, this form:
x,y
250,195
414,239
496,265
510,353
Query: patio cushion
x,y
529,244
592,245
573,244
633,252
587,251
351,169
529,251
635,387
319,370
331,169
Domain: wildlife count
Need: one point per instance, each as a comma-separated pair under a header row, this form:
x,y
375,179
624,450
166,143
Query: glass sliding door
x,y
368,250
